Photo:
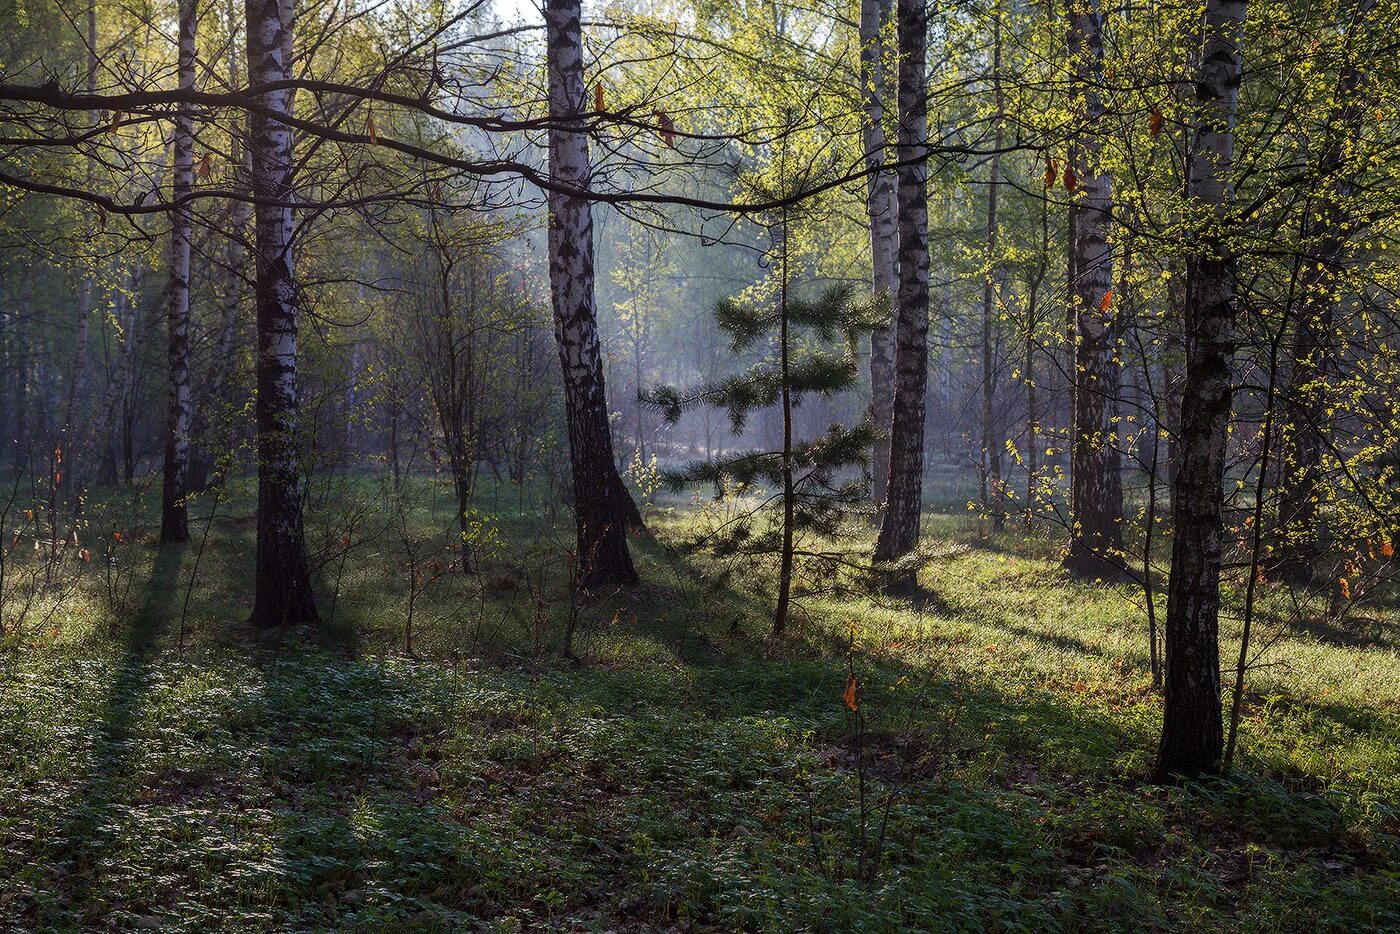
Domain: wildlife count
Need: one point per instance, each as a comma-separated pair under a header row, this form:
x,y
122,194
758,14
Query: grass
x,y
691,774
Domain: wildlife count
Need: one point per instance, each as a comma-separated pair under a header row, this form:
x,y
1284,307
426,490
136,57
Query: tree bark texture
x,y
899,529
283,581
174,523
1096,486
1192,733
884,231
602,504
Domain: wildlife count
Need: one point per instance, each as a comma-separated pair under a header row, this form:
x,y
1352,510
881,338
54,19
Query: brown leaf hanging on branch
x,y
1052,171
667,128
1071,180
598,102
370,130
1154,123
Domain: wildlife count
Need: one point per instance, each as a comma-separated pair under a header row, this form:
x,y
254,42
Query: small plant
x,y
872,810
421,558
812,498
117,522
480,537
848,835
645,476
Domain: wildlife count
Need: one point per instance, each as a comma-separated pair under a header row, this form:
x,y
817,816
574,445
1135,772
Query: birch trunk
x,y
283,586
1192,734
174,523
899,529
602,505
1096,486
884,231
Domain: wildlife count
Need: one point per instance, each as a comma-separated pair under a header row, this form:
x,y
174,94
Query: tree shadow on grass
x,y
93,812
712,618
1065,643
1350,633
348,755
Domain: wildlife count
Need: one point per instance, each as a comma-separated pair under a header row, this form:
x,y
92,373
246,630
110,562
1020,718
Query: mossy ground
x,y
690,773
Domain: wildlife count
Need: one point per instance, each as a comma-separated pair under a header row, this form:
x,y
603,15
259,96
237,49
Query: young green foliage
x,y
819,481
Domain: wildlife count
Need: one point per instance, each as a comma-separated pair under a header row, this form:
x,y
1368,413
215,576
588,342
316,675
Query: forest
x,y
700,465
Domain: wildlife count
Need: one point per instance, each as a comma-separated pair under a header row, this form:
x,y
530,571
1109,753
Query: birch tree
x,y
899,529
174,524
603,507
884,229
1096,486
1192,732
283,581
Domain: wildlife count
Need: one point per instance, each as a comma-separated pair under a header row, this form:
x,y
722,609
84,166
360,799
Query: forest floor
x,y
162,767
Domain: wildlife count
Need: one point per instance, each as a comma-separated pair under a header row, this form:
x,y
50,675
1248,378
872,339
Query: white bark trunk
x,y
174,526
884,229
283,582
603,507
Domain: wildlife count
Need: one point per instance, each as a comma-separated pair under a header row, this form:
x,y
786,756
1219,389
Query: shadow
x,y
92,812
347,756
916,597
395,794
1066,643
1351,633
703,620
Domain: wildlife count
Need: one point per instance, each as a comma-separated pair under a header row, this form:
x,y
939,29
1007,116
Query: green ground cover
x,y
162,767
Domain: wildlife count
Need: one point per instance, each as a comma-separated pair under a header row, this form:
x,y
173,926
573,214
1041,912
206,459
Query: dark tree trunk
x,y
1173,377
1096,486
130,311
74,440
1032,397
992,492
884,232
780,614
174,524
283,581
1192,733
19,398
211,437
1304,440
603,507
899,530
